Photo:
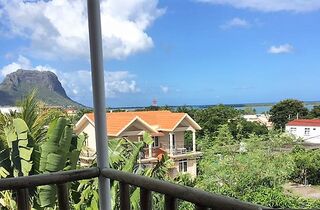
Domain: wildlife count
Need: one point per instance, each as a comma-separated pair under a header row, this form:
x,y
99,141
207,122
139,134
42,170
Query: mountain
x,y
49,89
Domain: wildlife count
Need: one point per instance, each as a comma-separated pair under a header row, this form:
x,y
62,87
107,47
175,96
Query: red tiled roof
x,y
161,120
304,122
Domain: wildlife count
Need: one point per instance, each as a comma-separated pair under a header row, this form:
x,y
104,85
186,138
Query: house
x,y
263,119
166,128
307,129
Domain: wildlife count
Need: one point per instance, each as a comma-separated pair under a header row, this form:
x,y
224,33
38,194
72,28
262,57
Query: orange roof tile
x,y
160,120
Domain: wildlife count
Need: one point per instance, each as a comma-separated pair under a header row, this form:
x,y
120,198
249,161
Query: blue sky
x,y
179,52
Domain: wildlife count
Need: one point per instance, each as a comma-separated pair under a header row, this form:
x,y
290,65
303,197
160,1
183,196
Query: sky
x,y
179,52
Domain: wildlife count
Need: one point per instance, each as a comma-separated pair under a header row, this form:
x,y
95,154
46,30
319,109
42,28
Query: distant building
x,y
71,111
307,129
166,128
263,119
8,109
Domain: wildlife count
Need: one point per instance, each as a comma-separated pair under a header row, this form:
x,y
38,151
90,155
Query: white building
x,y
259,118
8,109
307,129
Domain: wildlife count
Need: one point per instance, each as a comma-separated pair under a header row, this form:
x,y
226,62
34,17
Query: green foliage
x,y
6,201
241,128
211,118
20,147
185,179
28,148
36,116
286,110
156,108
249,110
315,112
54,153
307,166
185,109
123,155
253,169
79,114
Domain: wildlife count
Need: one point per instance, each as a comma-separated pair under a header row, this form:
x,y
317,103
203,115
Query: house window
x,y
306,131
183,165
155,141
293,130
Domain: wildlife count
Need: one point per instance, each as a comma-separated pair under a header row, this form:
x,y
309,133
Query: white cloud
x,y
235,23
78,83
270,5
285,48
164,89
21,63
59,28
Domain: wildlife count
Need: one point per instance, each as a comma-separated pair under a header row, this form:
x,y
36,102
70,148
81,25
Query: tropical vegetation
x,y
240,159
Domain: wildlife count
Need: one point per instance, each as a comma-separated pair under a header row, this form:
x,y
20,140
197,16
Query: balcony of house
x,y
171,143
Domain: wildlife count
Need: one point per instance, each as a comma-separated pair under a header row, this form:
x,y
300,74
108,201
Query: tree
x,y
286,110
307,165
211,118
241,128
249,110
185,109
315,112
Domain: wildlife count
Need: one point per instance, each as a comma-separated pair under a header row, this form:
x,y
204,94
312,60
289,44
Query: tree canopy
x,y
315,112
286,110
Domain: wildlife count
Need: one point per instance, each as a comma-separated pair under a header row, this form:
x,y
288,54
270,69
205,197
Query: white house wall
x,y
179,137
89,130
313,137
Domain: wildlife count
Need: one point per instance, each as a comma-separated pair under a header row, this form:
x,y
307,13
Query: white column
x,y
194,141
150,150
170,143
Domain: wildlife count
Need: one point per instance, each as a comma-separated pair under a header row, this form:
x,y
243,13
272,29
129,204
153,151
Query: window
x,y
183,165
306,131
155,141
293,130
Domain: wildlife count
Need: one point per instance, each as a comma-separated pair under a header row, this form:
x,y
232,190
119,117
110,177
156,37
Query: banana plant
x,y
16,159
60,151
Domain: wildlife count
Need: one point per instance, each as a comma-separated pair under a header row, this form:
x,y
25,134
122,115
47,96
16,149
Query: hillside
x,y
20,83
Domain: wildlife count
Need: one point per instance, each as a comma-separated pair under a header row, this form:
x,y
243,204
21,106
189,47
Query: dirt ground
x,y
305,191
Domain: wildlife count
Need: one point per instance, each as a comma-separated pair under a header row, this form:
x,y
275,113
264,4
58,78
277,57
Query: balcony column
x,y
170,143
194,141
150,150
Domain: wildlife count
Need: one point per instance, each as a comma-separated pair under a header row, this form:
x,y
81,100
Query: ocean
x,y
260,108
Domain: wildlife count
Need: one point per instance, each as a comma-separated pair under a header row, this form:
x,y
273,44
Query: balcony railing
x,y
147,185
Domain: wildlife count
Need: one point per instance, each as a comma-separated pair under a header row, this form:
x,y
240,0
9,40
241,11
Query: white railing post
x,y
170,143
98,86
194,141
